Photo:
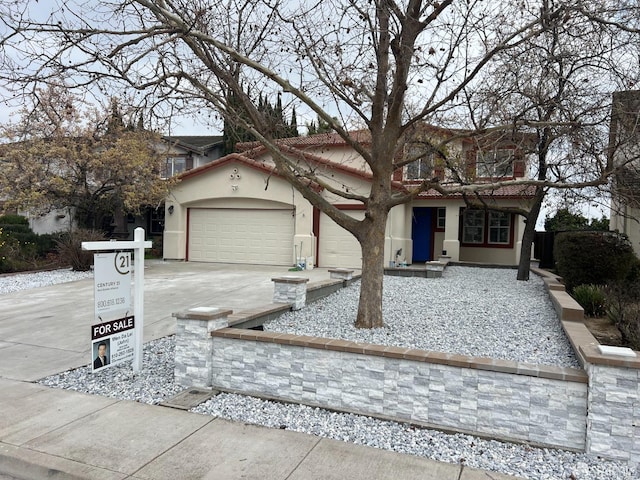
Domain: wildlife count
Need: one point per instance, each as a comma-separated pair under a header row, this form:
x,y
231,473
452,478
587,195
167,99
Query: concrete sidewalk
x,y
49,433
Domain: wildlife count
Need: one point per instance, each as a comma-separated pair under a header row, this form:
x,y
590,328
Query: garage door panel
x,y
336,246
241,236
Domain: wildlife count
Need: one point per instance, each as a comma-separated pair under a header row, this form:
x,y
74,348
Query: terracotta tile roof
x,y
223,161
317,140
505,192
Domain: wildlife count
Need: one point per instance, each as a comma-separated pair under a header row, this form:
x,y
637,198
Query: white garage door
x,y
261,237
336,246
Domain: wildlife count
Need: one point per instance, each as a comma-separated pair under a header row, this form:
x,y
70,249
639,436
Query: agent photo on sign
x,y
101,353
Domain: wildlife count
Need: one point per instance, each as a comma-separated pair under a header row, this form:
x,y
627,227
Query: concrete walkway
x,y
49,433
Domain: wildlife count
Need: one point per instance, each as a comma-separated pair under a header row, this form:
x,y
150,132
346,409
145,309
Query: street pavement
x,y
48,433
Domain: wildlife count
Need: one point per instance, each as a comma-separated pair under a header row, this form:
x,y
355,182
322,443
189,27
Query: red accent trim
x,y
316,232
434,225
186,253
349,206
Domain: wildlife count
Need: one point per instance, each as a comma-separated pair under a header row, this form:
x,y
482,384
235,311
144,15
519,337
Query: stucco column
x,y
451,233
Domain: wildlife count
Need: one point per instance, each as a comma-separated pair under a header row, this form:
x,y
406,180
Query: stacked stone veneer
x,y
613,407
613,424
193,351
596,410
291,290
544,405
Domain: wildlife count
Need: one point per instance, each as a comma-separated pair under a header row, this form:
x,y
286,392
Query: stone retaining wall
x,y
595,410
503,399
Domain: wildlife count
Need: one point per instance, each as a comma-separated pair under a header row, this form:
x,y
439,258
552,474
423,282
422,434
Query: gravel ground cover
x,y
155,383
23,281
482,312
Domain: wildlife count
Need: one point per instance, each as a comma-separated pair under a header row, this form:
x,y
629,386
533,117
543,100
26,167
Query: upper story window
x,y
494,163
419,169
423,167
174,166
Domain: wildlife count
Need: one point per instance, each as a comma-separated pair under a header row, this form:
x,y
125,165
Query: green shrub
x,y
593,258
592,299
623,309
69,247
13,220
18,246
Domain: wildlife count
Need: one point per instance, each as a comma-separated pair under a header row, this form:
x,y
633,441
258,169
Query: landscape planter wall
x,y
502,399
595,410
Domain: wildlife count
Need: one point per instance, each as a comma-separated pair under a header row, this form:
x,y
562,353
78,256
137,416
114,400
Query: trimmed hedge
x,y
594,258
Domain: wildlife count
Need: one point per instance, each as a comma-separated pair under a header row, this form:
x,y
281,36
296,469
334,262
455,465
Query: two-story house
x,y
237,209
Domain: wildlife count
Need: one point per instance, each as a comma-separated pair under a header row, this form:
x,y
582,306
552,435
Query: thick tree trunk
x,y
372,243
528,236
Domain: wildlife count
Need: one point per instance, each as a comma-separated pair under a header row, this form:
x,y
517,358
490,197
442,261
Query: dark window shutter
x,y
518,166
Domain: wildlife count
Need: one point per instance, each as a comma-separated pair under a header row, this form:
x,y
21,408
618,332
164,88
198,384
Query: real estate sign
x,y
112,339
113,342
117,335
112,285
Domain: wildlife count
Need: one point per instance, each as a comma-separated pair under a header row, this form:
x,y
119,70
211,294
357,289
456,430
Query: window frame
x,y
485,169
486,217
499,228
441,219
156,218
169,169
480,223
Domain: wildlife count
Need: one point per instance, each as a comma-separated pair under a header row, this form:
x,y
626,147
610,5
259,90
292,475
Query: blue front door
x,y
421,234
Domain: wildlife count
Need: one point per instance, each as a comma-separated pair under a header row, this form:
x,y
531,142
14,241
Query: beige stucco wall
x,y
221,188
627,220
341,155
234,185
498,256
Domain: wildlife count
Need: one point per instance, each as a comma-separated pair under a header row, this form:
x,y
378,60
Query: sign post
x,y
111,295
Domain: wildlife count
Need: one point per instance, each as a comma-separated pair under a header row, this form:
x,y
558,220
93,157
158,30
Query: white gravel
x,y
482,312
17,282
155,383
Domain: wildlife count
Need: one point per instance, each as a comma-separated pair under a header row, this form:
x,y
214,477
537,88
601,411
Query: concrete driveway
x,y
47,330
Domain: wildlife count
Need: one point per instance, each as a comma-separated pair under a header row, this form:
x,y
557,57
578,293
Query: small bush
x,y
13,220
592,299
69,247
593,258
623,309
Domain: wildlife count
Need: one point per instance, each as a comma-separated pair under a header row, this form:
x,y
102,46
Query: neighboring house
x,y
237,209
183,153
624,148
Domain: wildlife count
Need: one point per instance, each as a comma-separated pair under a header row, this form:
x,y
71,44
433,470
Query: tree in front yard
x,y
59,156
381,69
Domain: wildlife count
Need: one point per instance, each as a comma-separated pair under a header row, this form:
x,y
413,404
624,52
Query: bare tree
x,y
384,66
